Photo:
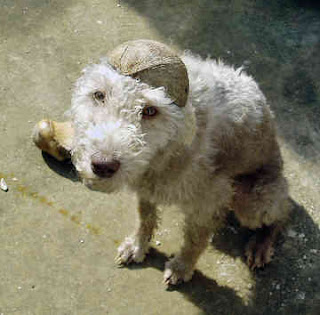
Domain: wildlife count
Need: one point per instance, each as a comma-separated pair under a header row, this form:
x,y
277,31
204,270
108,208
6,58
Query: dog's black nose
x,y
103,168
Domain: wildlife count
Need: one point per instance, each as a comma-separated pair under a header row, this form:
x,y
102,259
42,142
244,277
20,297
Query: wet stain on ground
x,y
26,192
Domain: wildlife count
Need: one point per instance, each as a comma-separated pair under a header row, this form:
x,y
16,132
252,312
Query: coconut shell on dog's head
x,y
155,64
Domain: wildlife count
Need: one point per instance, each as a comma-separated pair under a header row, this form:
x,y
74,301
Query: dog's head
x,y
121,123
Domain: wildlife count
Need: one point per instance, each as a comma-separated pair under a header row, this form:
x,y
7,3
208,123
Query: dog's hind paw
x,y
176,271
260,249
258,253
131,251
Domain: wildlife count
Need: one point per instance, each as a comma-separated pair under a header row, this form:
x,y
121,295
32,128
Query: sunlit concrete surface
x,y
58,240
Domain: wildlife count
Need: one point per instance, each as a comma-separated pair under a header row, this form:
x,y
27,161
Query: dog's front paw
x,y
131,250
177,271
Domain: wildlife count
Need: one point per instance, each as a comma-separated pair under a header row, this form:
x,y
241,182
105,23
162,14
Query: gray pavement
x,y
58,240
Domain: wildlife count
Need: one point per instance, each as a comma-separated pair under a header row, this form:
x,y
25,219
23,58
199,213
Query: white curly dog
x,y
208,146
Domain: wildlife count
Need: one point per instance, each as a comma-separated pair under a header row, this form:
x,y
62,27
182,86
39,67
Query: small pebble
x,y
109,290
250,286
3,185
15,179
19,288
278,286
81,241
99,22
158,243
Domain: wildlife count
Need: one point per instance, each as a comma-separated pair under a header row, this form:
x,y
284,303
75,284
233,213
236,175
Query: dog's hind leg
x,y
261,204
135,247
54,138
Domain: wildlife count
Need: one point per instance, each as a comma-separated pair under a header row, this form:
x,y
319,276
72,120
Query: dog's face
x,y
120,125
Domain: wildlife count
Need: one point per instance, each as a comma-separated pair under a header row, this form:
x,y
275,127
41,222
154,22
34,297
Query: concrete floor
x,y
58,240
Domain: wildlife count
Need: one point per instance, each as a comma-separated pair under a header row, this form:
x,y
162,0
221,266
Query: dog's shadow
x,y
65,169
204,292
289,285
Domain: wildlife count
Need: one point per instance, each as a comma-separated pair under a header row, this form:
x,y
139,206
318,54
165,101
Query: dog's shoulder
x,y
225,92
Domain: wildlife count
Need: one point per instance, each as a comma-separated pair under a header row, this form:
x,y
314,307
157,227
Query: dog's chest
x,y
171,186
161,189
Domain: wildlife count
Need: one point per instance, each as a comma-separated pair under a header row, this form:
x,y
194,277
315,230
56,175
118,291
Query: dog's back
x,y
233,118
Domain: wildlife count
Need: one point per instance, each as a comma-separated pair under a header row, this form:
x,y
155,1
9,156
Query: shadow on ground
x,y
289,285
65,169
278,42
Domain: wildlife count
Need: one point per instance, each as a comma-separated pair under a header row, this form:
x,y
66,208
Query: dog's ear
x,y
155,64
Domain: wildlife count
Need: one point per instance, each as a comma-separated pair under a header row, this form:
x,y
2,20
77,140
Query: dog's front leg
x,y
181,267
135,247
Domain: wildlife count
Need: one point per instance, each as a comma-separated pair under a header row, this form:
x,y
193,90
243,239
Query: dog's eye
x,y
99,96
149,111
